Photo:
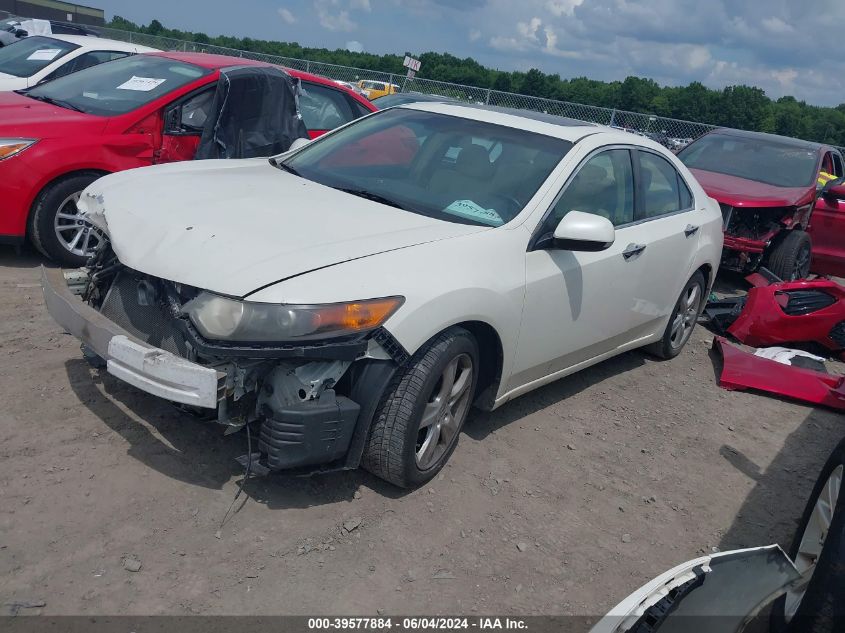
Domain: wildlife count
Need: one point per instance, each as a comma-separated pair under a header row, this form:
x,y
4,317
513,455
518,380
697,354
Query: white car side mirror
x,y
579,231
298,142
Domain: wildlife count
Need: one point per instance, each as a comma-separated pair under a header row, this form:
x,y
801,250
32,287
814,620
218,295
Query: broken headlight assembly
x,y
12,146
224,319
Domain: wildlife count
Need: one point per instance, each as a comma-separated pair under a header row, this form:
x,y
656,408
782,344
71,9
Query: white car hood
x,y
10,82
234,226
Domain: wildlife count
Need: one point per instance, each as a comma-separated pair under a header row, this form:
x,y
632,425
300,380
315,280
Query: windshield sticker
x,y
468,209
142,84
44,55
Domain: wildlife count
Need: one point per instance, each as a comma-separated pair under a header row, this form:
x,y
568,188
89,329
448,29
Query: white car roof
x,y
93,43
549,124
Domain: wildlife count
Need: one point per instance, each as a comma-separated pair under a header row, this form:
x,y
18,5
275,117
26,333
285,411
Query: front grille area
x,y
151,322
727,211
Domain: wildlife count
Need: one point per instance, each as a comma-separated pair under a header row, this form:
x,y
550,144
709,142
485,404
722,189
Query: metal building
x,y
54,10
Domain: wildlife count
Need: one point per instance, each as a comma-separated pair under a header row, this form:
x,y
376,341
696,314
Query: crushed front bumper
x,y
148,368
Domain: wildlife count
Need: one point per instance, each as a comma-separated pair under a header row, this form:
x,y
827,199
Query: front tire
x,y
55,227
682,322
818,550
417,424
790,259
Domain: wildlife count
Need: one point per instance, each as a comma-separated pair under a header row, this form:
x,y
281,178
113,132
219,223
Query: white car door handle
x,y
690,230
633,249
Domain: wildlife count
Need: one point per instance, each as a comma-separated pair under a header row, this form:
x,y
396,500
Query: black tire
x,y
666,347
822,609
790,258
391,448
42,232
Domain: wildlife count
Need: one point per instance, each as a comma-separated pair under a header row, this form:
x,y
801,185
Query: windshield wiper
x,y
369,195
51,101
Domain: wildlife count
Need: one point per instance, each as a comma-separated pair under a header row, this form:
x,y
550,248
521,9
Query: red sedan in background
x,y
766,186
59,137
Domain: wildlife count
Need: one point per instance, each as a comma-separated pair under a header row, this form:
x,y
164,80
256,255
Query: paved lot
x,y
560,502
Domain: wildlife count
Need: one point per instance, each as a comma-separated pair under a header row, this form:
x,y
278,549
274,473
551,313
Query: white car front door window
x,y
579,304
668,222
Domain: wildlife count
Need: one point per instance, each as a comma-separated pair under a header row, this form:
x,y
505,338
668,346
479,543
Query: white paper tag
x,y
142,84
469,209
44,55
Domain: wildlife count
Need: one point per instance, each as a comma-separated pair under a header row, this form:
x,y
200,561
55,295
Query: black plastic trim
x,y
390,345
11,240
369,381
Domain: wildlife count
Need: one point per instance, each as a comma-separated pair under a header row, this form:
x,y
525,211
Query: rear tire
x,y
821,609
682,322
421,414
790,259
45,227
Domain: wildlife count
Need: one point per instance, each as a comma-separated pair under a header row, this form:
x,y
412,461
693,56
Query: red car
x,y
59,137
766,186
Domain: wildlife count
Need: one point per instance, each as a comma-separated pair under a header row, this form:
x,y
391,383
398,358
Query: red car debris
x,y
777,313
793,312
743,370
57,138
767,188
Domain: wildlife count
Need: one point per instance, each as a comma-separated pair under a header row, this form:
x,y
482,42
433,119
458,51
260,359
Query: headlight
x,y
225,319
11,146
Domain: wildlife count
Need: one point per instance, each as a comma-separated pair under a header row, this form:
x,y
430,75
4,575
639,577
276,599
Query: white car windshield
x,y
451,168
26,57
119,86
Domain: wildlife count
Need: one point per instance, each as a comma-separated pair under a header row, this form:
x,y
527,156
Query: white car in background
x,y
37,58
355,296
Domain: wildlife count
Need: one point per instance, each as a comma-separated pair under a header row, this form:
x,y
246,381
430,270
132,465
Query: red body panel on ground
x,y
743,370
763,321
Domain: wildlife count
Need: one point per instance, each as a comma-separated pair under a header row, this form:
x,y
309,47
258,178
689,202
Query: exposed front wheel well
x,y
709,275
491,361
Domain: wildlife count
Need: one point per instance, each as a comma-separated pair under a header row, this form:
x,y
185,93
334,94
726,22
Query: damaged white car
x,y
356,296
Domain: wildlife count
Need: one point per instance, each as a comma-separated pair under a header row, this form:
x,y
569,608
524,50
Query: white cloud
x,y
776,26
332,17
474,35
361,5
506,44
528,30
355,46
562,7
287,16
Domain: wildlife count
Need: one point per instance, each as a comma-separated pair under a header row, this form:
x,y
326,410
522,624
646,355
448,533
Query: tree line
x,y
743,107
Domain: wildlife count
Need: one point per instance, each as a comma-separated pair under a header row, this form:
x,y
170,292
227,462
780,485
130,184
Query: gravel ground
x,y
560,502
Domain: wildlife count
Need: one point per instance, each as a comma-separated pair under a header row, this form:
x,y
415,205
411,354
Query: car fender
x,y
477,277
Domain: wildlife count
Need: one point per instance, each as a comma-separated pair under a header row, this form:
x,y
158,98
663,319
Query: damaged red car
x,y
59,137
766,186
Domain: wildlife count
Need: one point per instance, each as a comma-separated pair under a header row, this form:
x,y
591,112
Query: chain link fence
x,y
673,133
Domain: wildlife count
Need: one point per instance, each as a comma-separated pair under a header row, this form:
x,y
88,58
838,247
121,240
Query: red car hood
x,y
24,117
739,192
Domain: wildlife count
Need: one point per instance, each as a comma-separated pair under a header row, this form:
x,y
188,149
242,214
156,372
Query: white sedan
x,y
31,60
355,296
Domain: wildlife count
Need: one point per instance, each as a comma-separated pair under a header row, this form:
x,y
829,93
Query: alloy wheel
x,y
75,234
686,313
444,412
812,541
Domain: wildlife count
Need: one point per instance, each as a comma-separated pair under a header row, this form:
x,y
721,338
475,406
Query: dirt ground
x,y
561,502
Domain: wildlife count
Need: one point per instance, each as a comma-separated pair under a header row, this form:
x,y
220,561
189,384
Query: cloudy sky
x,y
773,44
